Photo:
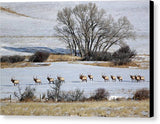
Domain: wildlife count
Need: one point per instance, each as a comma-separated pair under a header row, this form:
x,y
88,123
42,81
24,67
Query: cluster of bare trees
x,y
87,30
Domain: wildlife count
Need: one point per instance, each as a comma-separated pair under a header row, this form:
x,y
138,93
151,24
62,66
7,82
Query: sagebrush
x,y
27,95
100,94
12,59
141,94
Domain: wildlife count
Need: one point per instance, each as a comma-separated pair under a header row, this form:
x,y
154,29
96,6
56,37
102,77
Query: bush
x,y
16,58
27,95
141,94
50,95
39,56
123,55
5,59
55,93
100,94
12,59
100,56
76,95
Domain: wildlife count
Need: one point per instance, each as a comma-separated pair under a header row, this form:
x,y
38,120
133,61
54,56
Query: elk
x,y
90,77
132,77
36,80
137,78
105,78
142,78
113,78
119,78
14,81
60,79
83,77
51,80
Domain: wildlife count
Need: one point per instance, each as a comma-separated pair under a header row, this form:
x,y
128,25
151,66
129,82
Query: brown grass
x,y
58,58
17,65
20,65
140,64
51,58
126,108
134,64
110,64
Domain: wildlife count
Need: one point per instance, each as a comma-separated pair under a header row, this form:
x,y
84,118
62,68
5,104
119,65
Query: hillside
x,y
31,24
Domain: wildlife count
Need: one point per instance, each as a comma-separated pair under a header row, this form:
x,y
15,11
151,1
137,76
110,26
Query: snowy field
x,y
27,45
71,74
30,26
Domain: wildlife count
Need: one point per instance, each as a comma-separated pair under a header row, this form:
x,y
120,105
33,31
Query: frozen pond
x,y
71,74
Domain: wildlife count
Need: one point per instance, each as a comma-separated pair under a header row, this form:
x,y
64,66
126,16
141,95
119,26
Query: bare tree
x,y
89,30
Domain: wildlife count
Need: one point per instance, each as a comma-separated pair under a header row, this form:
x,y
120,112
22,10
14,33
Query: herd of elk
x,y
137,78
83,78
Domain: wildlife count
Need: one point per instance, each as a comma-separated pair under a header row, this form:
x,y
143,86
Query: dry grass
x,y
51,58
141,61
17,65
102,109
110,64
135,64
57,58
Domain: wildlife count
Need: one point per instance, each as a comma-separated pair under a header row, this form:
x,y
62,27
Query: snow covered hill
x,y
41,17
30,24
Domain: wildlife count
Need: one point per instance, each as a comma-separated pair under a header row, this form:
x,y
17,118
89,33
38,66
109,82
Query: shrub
x,y
101,56
12,59
39,56
141,94
100,94
27,95
50,95
16,58
76,95
5,59
55,93
123,55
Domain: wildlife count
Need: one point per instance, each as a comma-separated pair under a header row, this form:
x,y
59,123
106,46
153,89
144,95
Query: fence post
x,y
10,98
40,97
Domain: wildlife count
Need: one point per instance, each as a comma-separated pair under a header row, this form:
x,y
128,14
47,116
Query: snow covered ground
x,y
27,45
23,34
71,74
